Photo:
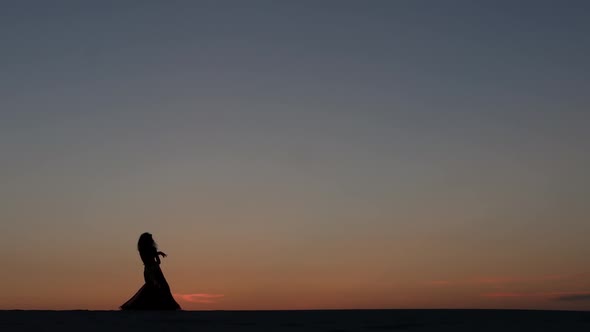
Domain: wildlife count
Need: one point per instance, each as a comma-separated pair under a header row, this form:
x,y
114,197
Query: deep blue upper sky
x,y
375,74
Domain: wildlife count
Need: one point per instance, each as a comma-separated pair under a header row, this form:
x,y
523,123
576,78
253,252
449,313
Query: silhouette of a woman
x,y
155,294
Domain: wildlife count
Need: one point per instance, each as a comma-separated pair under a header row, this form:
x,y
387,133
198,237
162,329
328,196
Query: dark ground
x,y
325,321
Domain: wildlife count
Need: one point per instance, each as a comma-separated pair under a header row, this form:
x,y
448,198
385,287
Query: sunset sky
x,y
296,154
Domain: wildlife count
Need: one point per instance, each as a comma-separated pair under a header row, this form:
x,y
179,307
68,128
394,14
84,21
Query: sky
x,y
296,154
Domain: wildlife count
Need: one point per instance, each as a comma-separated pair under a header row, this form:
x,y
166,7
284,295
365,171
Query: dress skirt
x,y
155,294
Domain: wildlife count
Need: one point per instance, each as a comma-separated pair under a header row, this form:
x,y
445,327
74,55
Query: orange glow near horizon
x,y
363,271
486,292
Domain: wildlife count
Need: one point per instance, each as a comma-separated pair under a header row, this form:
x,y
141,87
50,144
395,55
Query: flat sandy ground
x,y
325,321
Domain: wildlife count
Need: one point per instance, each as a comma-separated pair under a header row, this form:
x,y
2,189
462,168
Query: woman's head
x,y
146,241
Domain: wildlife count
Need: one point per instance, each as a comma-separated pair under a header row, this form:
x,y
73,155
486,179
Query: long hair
x,y
146,242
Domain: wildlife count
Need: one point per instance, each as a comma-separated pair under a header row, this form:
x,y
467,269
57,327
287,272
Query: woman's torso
x,y
148,256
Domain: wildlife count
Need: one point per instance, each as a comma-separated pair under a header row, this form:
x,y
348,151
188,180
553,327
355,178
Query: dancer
x,y
155,294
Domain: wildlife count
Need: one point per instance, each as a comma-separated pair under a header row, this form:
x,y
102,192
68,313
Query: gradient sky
x,y
296,154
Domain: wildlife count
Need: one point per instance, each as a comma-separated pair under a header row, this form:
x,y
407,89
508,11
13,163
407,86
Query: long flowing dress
x,y
155,294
